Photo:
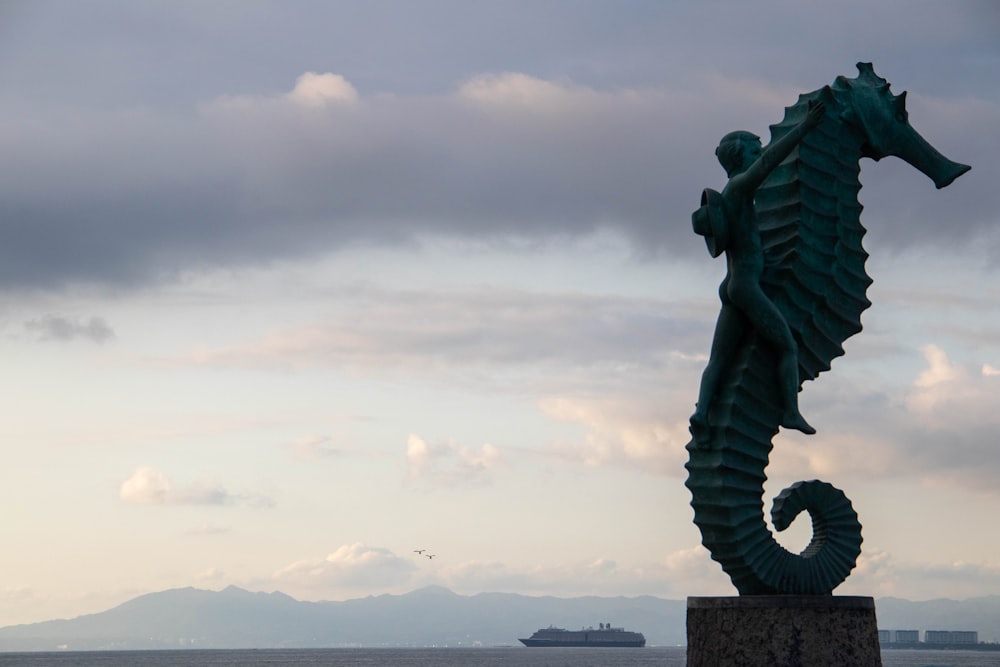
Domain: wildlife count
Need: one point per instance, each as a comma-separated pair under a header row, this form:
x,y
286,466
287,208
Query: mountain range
x,y
433,616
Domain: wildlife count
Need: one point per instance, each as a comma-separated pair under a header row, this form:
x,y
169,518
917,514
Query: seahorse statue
x,y
809,221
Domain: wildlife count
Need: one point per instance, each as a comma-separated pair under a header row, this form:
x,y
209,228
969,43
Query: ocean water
x,y
921,658
365,657
441,657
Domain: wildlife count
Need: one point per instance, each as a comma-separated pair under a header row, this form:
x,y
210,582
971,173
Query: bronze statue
x,y
788,221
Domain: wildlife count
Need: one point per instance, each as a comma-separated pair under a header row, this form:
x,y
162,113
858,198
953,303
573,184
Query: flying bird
x,y
431,555
419,551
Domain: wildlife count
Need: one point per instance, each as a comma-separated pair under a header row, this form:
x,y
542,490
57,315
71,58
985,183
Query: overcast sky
x,y
291,289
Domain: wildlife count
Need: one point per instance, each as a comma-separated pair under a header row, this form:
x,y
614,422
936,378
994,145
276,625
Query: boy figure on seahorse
x,y
728,222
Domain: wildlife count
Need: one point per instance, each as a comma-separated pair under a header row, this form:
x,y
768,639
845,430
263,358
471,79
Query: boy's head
x,y
732,151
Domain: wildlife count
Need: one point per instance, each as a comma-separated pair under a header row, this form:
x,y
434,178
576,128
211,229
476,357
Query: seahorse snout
x,y
949,173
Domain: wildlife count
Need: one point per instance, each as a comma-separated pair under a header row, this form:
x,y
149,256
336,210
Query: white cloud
x,y
315,90
947,393
875,574
350,568
836,453
513,90
417,456
148,486
311,91
449,464
484,458
634,430
939,371
312,447
693,572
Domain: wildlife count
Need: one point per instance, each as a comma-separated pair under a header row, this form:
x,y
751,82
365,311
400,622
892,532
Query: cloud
x,y
211,576
620,430
58,328
350,568
427,331
691,571
686,572
313,447
448,464
517,92
937,383
148,486
146,193
882,574
955,413
418,456
16,594
313,90
938,427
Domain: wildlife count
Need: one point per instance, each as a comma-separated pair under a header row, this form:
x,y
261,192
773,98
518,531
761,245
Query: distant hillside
x,y
981,614
235,618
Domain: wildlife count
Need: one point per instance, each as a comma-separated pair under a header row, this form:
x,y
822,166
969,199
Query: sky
x,y
289,290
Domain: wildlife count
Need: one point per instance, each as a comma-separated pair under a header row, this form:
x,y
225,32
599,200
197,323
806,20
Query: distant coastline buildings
x,y
936,637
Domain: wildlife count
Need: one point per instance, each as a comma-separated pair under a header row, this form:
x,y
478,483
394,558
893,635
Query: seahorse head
x,y
868,107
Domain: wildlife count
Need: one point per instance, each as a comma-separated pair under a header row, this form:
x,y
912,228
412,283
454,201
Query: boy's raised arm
x,y
778,150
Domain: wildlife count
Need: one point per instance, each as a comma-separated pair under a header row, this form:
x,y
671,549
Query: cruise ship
x,y
603,636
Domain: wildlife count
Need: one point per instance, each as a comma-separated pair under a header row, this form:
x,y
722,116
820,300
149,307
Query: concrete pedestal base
x,y
782,631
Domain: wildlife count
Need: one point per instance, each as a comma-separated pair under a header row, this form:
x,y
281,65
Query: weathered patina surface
x,y
802,242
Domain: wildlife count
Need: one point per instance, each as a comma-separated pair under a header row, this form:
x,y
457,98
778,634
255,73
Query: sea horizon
x,y
511,656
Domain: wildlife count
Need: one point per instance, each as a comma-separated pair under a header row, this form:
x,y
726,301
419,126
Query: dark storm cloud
x,y
180,52
165,139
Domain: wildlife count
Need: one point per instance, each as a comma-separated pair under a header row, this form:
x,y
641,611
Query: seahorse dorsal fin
x,y
866,72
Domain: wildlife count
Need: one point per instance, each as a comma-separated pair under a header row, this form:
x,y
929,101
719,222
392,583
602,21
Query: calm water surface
x,y
450,657
454,657
904,658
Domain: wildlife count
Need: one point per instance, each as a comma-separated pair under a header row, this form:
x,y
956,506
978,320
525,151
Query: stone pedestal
x,y
782,631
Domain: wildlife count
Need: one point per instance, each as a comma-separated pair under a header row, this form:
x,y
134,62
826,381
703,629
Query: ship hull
x,y
549,643
605,637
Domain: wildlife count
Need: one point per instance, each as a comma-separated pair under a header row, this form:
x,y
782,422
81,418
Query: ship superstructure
x,y
603,636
